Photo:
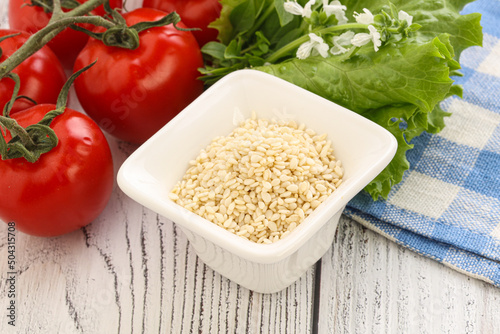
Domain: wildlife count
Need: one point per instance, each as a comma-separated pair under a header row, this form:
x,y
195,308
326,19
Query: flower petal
x,y
364,18
315,38
307,8
361,39
404,16
344,39
322,49
337,9
375,36
293,8
340,42
315,45
305,50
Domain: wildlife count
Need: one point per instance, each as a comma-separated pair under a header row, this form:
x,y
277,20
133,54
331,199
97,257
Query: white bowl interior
x,y
149,174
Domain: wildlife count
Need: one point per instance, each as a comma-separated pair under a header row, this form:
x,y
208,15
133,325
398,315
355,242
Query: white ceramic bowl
x,y
149,174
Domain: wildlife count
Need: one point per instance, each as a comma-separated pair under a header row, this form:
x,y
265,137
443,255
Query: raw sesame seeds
x,y
261,181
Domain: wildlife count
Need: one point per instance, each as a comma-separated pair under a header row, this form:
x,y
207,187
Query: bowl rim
x,y
249,250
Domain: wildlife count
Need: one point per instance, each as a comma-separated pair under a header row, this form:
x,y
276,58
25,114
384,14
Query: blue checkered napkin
x,y
448,205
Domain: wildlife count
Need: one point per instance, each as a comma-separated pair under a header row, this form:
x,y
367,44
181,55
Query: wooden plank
x,y
371,285
132,271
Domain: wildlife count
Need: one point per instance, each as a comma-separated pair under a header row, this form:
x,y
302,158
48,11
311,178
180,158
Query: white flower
x,y
340,43
364,18
404,16
293,8
314,46
363,38
337,9
307,8
296,9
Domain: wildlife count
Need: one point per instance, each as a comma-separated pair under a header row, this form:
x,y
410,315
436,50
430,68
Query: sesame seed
x,y
262,180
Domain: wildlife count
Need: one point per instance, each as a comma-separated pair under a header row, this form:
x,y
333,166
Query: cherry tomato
x,y
193,13
42,75
68,43
67,187
131,94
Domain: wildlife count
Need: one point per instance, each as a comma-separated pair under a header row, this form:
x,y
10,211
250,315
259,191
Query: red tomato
x,y
131,94
41,75
67,44
67,187
194,14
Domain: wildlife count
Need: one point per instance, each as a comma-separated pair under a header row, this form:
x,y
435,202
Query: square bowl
x,y
151,172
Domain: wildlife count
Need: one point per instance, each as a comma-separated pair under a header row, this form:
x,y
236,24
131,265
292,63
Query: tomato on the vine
x,y
42,75
68,43
67,187
194,14
131,94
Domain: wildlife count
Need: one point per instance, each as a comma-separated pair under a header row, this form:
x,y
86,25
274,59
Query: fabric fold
x,y
447,206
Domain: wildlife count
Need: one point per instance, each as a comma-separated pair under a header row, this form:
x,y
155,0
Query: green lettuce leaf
x,y
389,87
400,87
223,24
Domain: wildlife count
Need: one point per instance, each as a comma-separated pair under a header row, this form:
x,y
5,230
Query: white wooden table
x,y
132,271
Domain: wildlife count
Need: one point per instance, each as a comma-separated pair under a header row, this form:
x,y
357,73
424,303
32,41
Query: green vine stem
x,y
17,85
81,10
59,21
56,10
34,140
121,35
7,123
39,138
296,43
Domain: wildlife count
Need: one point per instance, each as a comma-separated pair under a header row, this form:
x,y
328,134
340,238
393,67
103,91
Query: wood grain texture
x,y
132,271
3,15
371,285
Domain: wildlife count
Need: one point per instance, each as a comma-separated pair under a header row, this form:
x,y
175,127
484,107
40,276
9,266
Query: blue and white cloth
x,y
448,205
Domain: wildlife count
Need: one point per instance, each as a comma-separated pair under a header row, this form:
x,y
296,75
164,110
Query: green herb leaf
x,y
214,49
399,87
243,17
284,16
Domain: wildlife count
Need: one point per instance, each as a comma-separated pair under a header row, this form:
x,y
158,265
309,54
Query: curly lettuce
x,y
400,87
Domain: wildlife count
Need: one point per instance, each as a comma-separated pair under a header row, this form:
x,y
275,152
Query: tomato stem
x,y
31,142
58,23
117,33
17,85
56,10
122,36
39,39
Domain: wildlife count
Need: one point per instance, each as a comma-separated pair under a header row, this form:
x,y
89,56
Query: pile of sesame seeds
x,y
261,181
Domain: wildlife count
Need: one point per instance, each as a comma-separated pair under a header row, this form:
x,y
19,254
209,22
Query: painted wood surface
x,y
132,271
371,285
